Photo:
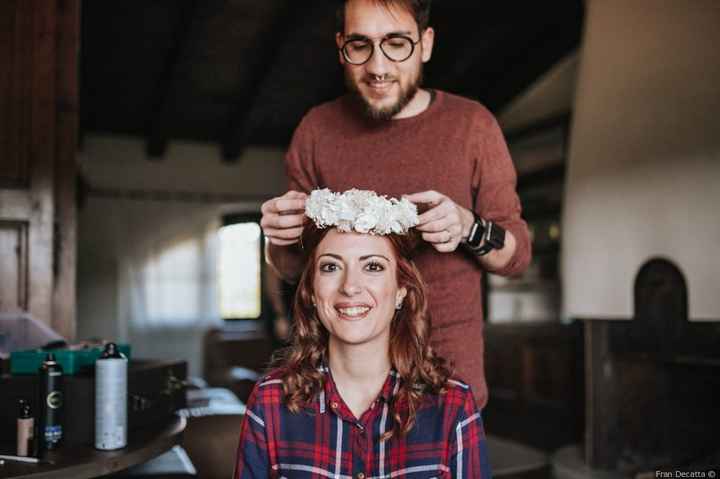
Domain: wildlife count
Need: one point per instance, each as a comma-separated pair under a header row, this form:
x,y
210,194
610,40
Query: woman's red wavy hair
x,y
420,371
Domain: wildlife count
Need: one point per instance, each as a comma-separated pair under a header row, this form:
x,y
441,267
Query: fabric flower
x,y
363,211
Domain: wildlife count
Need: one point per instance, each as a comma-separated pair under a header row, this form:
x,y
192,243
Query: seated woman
x,y
360,393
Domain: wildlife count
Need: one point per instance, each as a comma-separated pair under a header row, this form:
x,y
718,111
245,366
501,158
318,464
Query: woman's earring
x,y
398,305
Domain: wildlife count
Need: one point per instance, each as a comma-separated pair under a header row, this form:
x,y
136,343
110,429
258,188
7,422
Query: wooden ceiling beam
x,y
158,125
240,129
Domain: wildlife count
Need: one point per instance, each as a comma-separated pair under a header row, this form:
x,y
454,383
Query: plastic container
x,y
71,360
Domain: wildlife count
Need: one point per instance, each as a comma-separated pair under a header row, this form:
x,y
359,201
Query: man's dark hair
x,y
420,10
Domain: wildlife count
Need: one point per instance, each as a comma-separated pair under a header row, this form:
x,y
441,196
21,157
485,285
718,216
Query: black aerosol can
x,y
51,402
111,399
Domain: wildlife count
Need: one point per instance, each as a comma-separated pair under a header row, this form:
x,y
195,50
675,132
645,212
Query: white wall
x,y
110,228
120,162
644,160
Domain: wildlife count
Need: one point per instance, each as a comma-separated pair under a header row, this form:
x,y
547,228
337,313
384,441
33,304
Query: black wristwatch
x,y
484,237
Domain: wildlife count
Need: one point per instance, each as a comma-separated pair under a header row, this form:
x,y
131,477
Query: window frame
x,y
266,312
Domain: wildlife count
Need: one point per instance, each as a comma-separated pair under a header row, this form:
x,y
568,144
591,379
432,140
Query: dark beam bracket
x,y
239,128
157,128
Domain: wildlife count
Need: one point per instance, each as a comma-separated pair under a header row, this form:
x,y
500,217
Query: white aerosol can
x,y
111,399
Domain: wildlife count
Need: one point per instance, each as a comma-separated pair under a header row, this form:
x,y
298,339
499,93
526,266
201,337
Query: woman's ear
x,y
399,297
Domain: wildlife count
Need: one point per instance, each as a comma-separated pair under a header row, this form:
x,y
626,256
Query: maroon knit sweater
x,y
455,147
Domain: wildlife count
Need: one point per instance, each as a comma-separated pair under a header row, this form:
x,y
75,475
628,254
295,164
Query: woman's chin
x,y
358,337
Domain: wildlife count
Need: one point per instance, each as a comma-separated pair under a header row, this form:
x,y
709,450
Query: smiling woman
x,y
360,393
355,290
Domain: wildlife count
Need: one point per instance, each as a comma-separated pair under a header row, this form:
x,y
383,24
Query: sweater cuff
x,y
520,260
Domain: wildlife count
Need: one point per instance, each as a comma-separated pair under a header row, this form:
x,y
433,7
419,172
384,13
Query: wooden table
x,y
87,462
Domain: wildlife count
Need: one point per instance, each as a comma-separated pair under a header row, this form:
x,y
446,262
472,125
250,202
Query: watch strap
x,y
493,237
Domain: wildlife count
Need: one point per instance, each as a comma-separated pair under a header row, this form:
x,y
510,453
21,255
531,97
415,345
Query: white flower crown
x,y
362,211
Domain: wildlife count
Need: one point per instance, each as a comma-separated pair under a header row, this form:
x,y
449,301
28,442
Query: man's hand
x,y
445,223
282,218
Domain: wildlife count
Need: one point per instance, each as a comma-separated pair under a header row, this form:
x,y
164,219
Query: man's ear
x,y
427,40
339,40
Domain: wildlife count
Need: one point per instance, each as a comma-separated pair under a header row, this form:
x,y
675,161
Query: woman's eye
x,y
328,267
374,267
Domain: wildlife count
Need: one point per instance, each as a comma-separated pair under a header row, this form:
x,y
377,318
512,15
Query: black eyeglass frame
x,y
413,44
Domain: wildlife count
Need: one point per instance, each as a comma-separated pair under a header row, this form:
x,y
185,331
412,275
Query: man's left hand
x,y
445,224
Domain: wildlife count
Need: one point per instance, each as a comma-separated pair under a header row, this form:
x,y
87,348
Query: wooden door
x,y
38,125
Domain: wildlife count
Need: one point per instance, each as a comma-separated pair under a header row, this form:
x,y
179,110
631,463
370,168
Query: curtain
x,y
167,278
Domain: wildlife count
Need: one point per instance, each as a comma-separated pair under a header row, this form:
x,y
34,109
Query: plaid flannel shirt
x,y
327,441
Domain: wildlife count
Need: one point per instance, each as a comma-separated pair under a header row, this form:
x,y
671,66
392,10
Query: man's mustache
x,y
371,78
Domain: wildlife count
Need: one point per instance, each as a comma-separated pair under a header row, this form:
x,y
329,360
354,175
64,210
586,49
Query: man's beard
x,y
388,112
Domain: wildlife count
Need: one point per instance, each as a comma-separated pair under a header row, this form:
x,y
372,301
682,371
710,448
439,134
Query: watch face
x,y
496,237
476,233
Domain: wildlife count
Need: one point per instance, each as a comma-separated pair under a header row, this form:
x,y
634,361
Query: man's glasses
x,y
396,48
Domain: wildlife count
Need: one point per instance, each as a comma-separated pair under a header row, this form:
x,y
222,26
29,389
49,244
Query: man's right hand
x,y
283,217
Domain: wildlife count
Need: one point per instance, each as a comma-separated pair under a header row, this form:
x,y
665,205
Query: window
x,y
240,268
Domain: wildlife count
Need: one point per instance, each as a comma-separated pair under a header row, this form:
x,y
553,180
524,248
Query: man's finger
x,y
285,234
281,242
440,246
287,221
434,226
289,205
448,247
431,197
440,237
271,206
292,194
276,220
433,214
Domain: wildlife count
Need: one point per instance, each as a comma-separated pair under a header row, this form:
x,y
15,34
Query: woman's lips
x,y
352,312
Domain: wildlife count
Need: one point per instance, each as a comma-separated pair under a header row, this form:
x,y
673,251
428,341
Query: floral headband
x,y
362,211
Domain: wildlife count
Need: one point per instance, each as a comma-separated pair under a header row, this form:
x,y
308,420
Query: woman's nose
x,y
351,284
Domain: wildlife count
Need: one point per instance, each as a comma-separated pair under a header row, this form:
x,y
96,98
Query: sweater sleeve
x,y
496,197
299,160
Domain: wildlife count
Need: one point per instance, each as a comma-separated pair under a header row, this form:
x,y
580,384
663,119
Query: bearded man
x,y
440,151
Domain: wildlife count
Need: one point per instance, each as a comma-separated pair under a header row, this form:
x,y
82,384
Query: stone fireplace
x,y
652,383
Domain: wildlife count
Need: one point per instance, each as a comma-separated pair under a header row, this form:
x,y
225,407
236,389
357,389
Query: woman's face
x,y
355,289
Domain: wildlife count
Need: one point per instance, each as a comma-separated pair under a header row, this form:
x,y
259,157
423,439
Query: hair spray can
x,y
111,399
25,430
51,402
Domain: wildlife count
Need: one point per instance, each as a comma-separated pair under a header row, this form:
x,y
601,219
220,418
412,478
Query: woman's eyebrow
x,y
368,256
337,257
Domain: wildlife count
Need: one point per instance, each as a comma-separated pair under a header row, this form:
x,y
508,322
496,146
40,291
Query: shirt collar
x,y
329,397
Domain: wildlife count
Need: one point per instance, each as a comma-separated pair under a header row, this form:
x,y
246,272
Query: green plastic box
x,y
71,360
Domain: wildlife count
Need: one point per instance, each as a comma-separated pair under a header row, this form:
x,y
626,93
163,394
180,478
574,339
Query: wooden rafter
x,y
239,127
167,87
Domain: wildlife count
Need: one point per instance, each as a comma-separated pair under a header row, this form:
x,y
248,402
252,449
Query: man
x,y
440,151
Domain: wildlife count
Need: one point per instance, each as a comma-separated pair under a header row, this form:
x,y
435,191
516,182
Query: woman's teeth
x,y
354,311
